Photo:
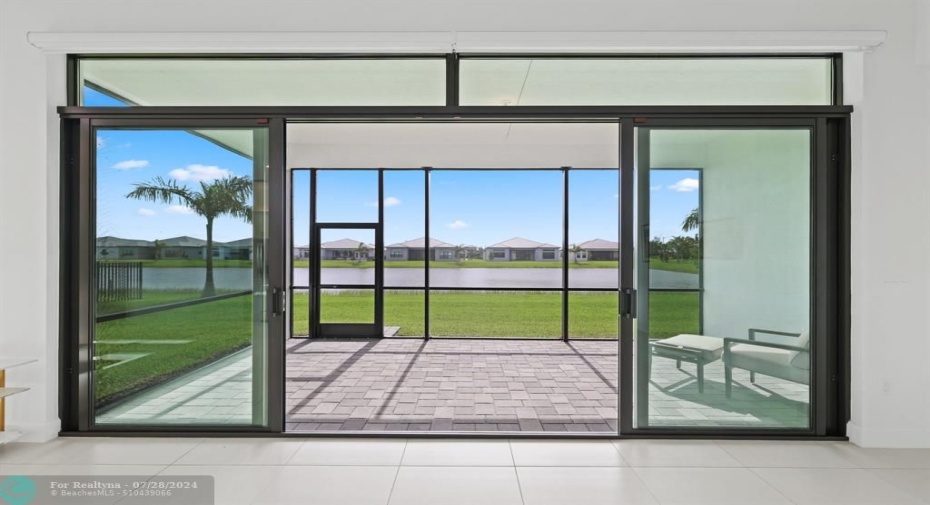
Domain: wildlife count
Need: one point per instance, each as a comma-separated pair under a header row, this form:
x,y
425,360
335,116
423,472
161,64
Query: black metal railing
x,y
119,280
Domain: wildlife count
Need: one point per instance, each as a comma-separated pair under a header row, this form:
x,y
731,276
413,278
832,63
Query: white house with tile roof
x,y
521,249
597,250
346,249
415,250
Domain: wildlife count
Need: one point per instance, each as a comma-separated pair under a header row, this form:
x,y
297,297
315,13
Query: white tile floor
x,y
531,472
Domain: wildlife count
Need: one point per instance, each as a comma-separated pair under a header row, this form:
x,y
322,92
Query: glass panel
x,y
516,215
674,221
300,252
180,231
347,196
593,314
300,323
647,81
735,351
240,82
404,313
453,145
593,227
520,314
347,306
404,222
347,256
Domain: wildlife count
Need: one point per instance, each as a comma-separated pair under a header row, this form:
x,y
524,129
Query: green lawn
x,y
189,263
686,266
214,329
504,314
151,298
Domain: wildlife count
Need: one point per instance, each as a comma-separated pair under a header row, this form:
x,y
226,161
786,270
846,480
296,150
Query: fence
x,y
119,280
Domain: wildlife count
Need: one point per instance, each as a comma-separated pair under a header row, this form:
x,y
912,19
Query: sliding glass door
x,y
184,285
723,272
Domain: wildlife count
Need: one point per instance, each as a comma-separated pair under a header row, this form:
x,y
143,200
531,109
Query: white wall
x,y
891,194
756,224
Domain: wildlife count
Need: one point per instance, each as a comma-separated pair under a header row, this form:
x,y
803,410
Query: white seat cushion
x,y
799,359
768,361
700,342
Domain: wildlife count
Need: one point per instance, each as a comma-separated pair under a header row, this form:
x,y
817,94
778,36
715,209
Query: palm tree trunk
x,y
209,288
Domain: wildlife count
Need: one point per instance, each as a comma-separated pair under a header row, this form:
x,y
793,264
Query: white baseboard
x,y
891,439
36,432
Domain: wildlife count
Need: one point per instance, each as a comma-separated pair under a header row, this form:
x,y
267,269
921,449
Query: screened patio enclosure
x,y
458,244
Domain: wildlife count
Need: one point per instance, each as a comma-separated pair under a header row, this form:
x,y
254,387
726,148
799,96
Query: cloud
x,y
389,201
199,173
101,142
129,164
146,212
655,188
457,225
179,210
686,185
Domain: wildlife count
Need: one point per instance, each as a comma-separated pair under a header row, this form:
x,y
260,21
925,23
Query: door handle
x,y
278,300
628,303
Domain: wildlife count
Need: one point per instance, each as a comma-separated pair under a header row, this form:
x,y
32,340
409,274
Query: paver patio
x,y
463,385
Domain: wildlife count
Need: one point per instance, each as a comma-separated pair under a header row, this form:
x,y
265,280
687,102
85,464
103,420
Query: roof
x,y
522,243
244,242
418,243
122,242
345,243
184,241
600,244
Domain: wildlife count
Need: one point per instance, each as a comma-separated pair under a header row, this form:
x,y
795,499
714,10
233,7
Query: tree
x,y
692,221
159,247
361,252
576,250
459,252
222,197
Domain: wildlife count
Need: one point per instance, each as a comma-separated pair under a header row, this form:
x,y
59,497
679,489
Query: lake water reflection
x,y
241,278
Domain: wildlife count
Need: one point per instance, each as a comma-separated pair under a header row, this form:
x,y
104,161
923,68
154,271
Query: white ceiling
x,y
453,133
452,145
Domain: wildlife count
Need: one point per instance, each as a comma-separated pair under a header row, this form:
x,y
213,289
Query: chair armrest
x,y
727,342
753,331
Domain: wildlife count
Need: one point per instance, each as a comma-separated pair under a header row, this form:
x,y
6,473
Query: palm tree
x,y
459,252
692,221
361,252
575,249
159,247
222,197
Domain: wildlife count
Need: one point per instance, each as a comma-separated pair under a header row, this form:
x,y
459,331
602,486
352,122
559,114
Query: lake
x,y
241,278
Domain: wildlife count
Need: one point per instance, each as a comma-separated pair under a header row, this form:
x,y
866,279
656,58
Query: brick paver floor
x,y
451,385
463,385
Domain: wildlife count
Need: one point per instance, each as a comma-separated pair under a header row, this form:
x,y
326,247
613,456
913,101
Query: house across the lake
x,y
415,250
346,249
521,249
115,248
182,248
598,250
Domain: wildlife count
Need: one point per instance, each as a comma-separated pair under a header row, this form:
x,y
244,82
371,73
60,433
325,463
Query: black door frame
x,y
830,230
77,307
357,330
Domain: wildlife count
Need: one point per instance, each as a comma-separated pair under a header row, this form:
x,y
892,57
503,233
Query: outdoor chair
x,y
777,354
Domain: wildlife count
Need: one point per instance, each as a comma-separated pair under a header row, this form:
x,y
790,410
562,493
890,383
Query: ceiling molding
x,y
468,41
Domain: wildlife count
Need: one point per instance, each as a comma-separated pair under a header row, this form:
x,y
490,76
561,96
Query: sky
x,y
467,207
